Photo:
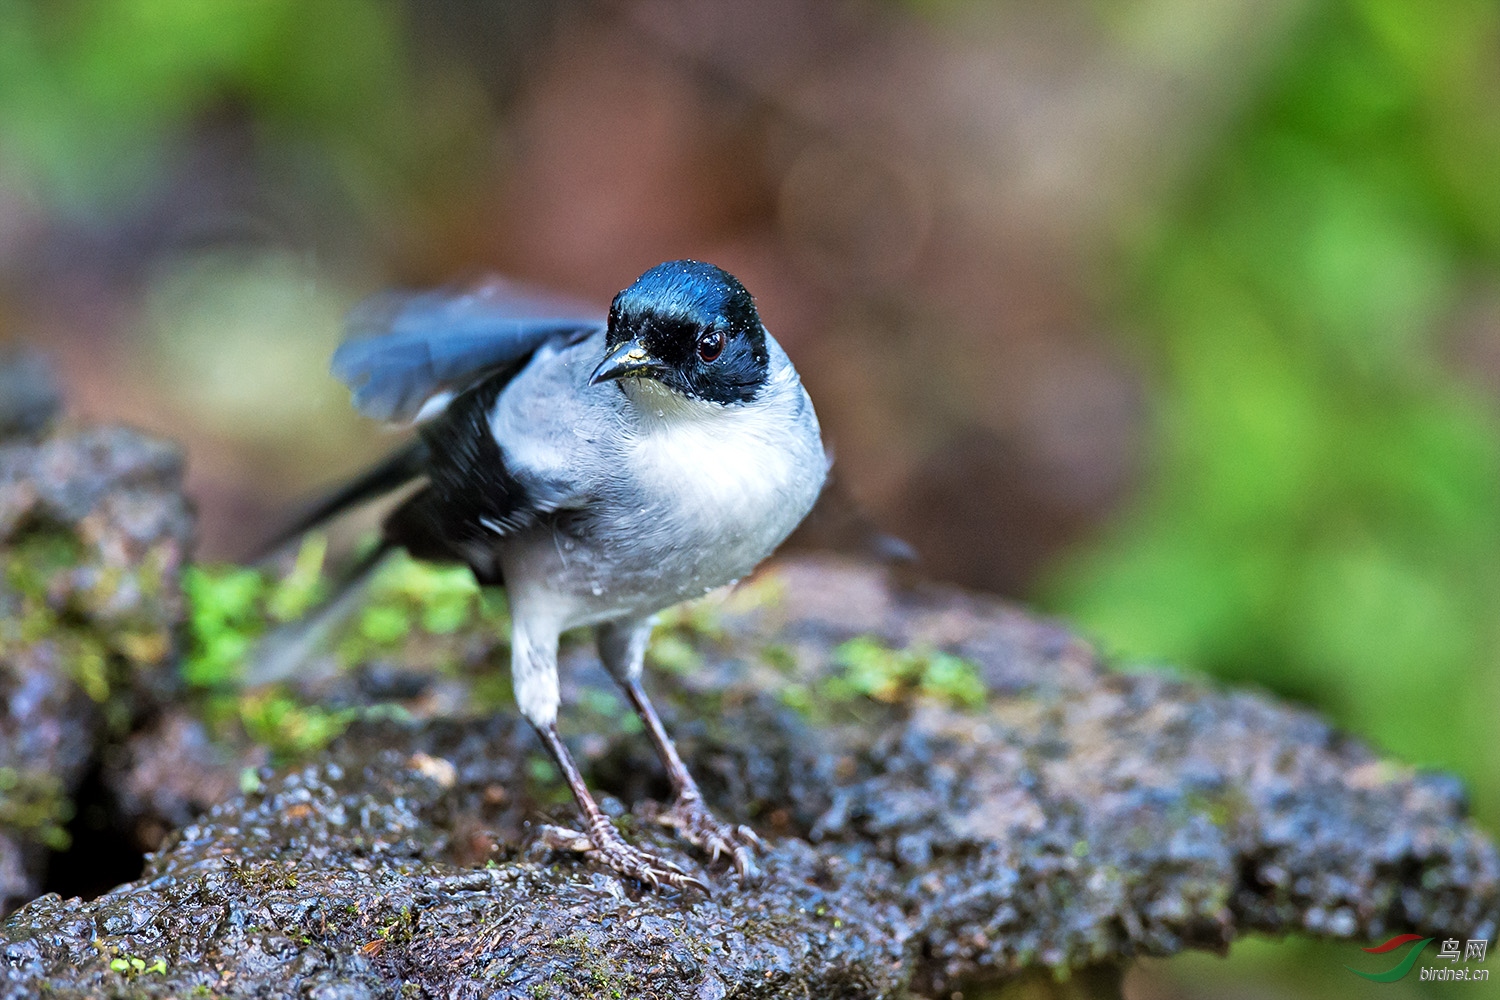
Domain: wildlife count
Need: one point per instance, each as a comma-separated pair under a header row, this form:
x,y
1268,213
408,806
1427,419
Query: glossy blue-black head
x,y
692,327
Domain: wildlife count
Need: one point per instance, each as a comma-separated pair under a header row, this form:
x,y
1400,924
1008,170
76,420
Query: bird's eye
x,y
710,345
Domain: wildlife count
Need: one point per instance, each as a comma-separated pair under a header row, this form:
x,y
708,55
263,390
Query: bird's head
x,y
690,328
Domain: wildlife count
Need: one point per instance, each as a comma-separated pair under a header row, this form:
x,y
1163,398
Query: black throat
x,y
671,307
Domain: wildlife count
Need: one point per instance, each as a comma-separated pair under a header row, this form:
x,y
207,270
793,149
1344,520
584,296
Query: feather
x,y
390,473
287,651
404,348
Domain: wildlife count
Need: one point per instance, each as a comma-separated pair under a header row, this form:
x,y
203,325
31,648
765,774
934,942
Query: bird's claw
x,y
604,844
693,821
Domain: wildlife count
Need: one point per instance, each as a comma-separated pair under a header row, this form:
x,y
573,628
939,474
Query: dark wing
x,y
405,348
471,498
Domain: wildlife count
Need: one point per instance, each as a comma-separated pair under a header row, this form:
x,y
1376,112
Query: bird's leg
x,y
623,649
688,814
608,846
534,672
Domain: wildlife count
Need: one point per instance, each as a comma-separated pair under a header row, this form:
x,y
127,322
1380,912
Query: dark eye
x,y
710,345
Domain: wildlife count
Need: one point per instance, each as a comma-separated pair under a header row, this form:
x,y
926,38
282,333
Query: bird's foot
x,y
604,844
692,820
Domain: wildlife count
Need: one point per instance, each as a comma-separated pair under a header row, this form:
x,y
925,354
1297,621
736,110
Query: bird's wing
x,y
404,348
473,494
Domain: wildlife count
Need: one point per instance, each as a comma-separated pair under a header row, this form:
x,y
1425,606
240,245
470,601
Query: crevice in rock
x,y
101,855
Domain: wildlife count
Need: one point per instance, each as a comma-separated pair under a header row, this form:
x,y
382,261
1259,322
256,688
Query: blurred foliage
x,y
232,608
1292,968
229,609
224,619
51,600
442,599
1323,512
95,93
289,727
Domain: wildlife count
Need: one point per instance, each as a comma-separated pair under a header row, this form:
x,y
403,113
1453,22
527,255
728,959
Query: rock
x,y
170,771
29,397
93,533
924,833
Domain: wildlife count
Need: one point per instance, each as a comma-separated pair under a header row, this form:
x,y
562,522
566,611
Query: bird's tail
x,y
290,650
390,473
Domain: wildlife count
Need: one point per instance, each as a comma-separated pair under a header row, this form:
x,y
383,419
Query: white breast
x,y
740,477
675,496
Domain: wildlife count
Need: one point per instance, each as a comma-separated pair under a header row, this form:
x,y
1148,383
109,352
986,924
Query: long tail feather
x,y
286,651
392,472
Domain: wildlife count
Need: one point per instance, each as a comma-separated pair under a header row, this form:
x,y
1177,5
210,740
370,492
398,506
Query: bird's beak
x,y
630,358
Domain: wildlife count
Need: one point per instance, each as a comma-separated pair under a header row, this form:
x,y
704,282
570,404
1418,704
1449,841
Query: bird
x,y
600,469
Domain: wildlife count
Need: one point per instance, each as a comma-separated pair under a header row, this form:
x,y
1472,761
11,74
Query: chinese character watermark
x,y
1473,953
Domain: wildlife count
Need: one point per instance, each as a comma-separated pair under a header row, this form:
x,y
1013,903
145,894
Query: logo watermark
x,y
1471,953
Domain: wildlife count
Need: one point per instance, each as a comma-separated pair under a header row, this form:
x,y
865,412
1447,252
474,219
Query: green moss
x,y
290,728
700,619
384,625
1222,809
601,711
225,616
442,599
34,805
870,669
944,675
36,557
84,653
151,574
131,966
250,783
543,782
409,600
866,670
230,609
37,566
492,692
88,664
675,654
798,697
592,974
682,632
780,658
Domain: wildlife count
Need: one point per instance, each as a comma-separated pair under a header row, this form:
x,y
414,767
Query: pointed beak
x,y
630,358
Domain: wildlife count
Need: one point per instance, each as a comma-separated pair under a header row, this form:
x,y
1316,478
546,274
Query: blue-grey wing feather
x,y
404,348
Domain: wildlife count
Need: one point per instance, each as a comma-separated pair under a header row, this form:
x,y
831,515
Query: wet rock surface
x,y
93,534
920,837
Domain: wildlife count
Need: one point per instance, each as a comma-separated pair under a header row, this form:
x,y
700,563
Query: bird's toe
x,y
604,844
701,828
635,863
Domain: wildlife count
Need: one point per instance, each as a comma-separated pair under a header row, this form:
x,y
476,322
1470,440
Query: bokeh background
x,y
1180,318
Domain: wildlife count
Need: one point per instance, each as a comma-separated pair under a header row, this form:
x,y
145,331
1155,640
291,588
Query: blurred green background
x,y
1185,312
